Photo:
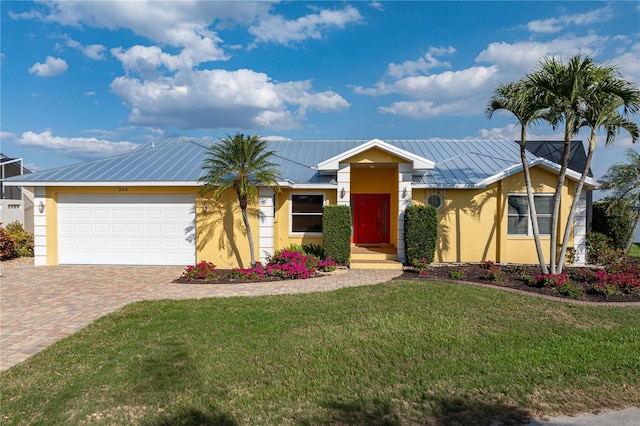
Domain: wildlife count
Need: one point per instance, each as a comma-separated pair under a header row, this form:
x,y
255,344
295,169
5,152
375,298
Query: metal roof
x,y
458,163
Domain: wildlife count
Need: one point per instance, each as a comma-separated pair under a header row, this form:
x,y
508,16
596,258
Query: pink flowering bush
x,y
201,271
289,264
551,280
249,274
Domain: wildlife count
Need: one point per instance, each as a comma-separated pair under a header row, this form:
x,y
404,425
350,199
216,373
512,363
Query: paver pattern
x,y
41,305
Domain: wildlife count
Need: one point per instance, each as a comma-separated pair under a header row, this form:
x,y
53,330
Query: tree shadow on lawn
x,y
436,411
194,417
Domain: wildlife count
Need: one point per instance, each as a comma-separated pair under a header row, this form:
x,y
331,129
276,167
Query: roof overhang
x,y
333,164
98,184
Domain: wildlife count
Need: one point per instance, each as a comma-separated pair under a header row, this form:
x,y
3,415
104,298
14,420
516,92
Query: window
x,y
519,222
435,200
306,213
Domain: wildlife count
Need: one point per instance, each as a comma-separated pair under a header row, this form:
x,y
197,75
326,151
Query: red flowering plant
x,y
551,280
201,271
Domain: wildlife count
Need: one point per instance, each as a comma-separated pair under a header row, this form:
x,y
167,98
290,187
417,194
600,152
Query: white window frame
x,y
529,221
291,195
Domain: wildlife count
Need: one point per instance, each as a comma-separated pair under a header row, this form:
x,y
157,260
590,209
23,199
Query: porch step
x,y
375,264
373,256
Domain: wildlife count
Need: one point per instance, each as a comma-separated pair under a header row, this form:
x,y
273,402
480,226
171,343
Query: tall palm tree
x,y
527,108
624,180
610,105
563,87
241,163
580,93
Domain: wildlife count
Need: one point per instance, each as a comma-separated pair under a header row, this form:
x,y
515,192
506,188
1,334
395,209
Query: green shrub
x,y
336,233
314,249
420,233
421,266
291,247
457,274
570,290
22,240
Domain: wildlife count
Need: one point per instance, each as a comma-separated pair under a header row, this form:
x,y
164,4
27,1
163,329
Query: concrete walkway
x,y
39,306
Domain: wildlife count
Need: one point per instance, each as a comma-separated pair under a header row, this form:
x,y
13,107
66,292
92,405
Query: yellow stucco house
x,y
144,207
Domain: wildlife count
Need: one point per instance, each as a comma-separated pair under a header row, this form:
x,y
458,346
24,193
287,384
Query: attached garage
x,y
126,229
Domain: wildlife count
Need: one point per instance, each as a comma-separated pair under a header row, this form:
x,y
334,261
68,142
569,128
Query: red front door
x,y
370,218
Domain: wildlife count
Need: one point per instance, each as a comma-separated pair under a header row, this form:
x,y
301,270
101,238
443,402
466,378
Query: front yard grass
x,y
634,250
397,353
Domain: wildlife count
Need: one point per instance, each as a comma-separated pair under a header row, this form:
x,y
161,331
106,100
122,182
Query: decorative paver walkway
x,y
41,305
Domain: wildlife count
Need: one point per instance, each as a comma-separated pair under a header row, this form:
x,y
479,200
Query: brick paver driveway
x,y
40,305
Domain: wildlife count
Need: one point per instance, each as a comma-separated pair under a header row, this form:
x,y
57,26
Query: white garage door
x,y
126,229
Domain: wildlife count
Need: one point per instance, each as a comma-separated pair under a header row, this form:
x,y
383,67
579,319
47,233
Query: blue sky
x,y
87,79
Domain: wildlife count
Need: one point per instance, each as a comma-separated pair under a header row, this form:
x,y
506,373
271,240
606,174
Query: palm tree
x,y
241,163
563,88
514,97
624,180
612,101
580,93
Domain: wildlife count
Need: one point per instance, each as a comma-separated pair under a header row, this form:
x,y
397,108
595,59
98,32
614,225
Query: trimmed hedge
x,y
420,233
336,233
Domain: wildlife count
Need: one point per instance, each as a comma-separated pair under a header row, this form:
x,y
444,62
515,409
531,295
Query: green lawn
x,y
634,251
391,354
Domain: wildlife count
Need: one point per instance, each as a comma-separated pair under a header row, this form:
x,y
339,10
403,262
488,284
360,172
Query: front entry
x,y
370,218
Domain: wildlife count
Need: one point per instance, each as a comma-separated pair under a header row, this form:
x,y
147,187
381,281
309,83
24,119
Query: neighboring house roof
x,y
13,162
553,150
437,163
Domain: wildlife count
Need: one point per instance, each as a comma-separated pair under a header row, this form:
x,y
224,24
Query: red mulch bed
x,y
510,276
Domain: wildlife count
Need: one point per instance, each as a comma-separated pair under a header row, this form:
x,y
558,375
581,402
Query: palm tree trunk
x,y
532,206
574,203
636,225
245,218
558,195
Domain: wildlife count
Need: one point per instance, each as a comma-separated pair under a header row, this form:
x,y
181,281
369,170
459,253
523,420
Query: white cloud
x,y
466,91
422,65
515,59
51,67
277,29
177,24
7,137
376,5
81,148
221,99
554,25
93,51
629,65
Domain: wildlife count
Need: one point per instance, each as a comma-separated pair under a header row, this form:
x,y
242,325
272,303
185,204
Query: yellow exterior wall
x,y
374,155
221,234
467,230
282,237
473,224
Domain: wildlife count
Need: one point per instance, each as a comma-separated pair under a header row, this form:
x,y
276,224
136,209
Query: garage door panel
x,y
129,229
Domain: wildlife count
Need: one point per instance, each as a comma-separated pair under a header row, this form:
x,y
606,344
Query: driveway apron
x,y
41,305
